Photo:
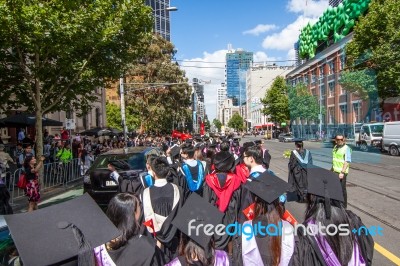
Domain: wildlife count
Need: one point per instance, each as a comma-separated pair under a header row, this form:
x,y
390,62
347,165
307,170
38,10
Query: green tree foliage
x,y
162,94
207,125
236,122
114,119
360,82
217,124
55,53
276,101
376,46
302,104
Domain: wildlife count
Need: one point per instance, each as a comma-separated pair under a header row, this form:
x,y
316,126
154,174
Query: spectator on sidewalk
x,y
65,154
32,189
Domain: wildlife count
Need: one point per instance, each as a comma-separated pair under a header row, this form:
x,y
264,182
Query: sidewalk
x,y
51,196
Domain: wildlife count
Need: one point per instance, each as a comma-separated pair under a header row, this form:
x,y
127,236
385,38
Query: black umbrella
x,y
26,120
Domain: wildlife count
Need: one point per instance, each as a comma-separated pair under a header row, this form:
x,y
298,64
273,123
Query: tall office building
x,y
237,63
199,89
161,17
335,2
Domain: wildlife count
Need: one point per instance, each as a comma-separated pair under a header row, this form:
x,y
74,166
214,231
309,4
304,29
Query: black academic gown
x,y
162,201
307,252
138,251
194,171
297,178
231,214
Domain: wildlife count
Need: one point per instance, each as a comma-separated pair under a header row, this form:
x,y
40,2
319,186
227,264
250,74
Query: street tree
x,y
157,88
376,46
303,106
114,120
236,122
207,125
276,101
217,124
55,54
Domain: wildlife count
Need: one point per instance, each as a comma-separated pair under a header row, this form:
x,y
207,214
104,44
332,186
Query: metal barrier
x,y
54,174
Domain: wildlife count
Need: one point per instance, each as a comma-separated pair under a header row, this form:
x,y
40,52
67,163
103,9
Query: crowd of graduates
x,y
204,183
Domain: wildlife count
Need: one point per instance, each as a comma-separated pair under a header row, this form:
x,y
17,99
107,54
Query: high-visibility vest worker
x,y
338,155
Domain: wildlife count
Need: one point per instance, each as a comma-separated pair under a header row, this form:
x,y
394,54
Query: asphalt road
x,y
373,187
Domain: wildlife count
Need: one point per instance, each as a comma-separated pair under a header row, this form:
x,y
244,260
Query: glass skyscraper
x,y
161,17
237,63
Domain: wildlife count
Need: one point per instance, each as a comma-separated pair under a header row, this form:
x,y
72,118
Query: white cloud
x,y
260,28
211,67
308,8
291,55
285,39
262,57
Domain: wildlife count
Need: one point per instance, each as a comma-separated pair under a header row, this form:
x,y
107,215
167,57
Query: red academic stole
x,y
224,194
150,224
242,172
287,216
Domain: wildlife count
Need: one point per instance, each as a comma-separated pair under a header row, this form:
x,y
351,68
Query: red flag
x,y
287,216
150,224
202,130
249,211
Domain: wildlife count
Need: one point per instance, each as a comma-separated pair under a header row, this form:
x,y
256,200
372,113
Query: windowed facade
x,y
357,112
322,90
331,114
343,114
331,66
321,72
313,76
331,89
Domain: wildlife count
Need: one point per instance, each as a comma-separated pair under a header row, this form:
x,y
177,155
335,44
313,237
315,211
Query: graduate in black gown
x,y
196,247
325,207
124,211
300,159
267,246
161,203
193,171
223,190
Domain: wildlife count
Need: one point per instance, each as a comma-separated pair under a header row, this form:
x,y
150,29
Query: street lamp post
x,y
123,115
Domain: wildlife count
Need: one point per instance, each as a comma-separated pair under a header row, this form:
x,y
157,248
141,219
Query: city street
x,y
373,188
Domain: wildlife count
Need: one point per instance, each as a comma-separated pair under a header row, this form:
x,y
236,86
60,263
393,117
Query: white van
x,y
391,138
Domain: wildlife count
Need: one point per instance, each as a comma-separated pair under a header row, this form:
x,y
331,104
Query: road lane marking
x,y
389,255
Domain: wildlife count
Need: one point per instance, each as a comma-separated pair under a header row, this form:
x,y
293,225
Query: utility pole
x,y
123,116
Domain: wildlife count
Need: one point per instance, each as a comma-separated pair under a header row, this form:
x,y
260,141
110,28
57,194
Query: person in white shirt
x,y
114,174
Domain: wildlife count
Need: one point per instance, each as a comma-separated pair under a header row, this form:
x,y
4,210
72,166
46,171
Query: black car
x,y
130,164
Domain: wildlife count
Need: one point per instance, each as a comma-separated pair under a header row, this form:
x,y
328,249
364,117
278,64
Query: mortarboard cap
x,y
298,141
326,184
267,186
202,212
224,161
175,151
258,142
57,234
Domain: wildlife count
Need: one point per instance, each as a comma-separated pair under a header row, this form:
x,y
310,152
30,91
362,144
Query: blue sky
x,y
202,29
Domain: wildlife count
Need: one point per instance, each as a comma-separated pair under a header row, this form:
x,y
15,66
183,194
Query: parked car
x,y
285,137
131,164
391,138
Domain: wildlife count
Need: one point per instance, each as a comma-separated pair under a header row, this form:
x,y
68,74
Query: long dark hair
x,y
121,211
271,213
27,161
189,249
342,246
